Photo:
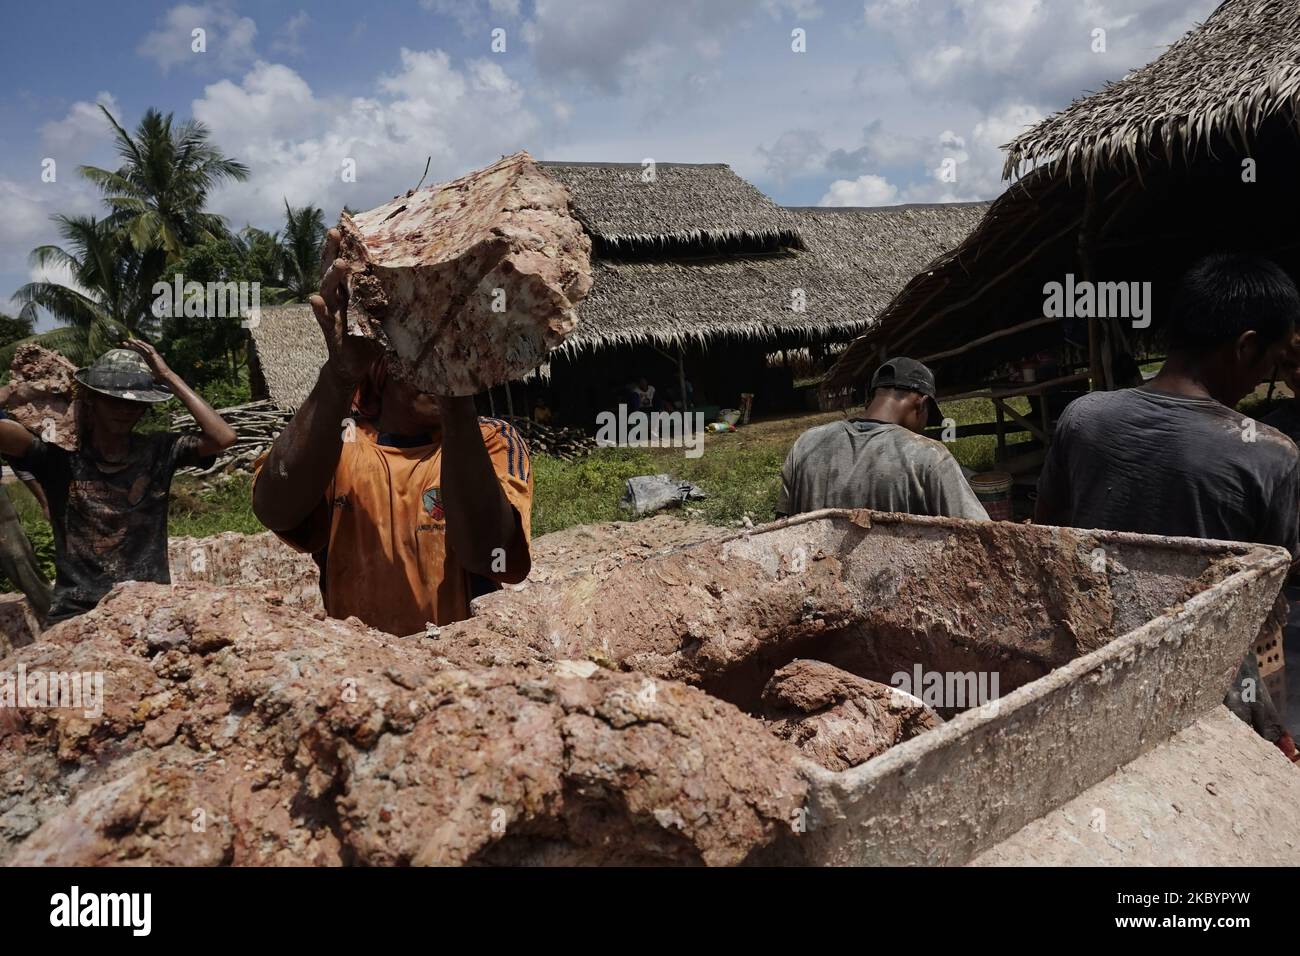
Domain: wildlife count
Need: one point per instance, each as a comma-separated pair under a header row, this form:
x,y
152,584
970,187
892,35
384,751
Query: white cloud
x,y
796,152
868,190
989,52
295,142
28,208
613,45
59,273
82,135
977,158
476,17
289,39
228,37
25,221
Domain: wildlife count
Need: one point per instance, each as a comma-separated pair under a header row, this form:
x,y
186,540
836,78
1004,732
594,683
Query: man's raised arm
x,y
15,440
303,459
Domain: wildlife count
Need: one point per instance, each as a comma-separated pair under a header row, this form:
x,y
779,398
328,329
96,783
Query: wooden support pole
x,y
1002,430
991,337
1019,419
681,379
1100,357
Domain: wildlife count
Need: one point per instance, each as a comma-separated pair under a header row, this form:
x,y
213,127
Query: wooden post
x,y
681,379
1100,358
1002,435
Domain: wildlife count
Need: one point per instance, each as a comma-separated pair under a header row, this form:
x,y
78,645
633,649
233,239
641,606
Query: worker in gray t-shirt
x,y
880,461
1174,457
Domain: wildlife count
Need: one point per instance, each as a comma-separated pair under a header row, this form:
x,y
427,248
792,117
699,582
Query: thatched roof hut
x,y
1216,86
286,352
851,263
689,208
1192,153
697,258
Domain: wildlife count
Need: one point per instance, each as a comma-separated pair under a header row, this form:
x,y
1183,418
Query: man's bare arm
x,y
480,518
15,441
305,455
217,434
38,493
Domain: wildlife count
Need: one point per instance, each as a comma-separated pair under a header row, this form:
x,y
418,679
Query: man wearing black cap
x,y
881,461
108,499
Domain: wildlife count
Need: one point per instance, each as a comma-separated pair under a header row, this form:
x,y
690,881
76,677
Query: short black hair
x,y
1228,293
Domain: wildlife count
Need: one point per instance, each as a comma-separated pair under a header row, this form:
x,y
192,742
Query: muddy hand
x,y
350,356
151,357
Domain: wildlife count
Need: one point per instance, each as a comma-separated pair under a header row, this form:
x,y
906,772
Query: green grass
x,y
977,451
739,480
197,512
740,472
741,476
38,529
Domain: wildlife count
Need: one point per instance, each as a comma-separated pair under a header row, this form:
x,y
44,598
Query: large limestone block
x,y
470,283
40,393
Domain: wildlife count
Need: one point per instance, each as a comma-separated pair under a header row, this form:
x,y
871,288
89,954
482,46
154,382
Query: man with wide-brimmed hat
x,y
108,498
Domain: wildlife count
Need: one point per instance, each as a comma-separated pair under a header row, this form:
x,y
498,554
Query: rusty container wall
x,y
943,797
1106,644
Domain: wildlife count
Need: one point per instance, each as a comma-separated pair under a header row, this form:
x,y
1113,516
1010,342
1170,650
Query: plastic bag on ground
x,y
647,493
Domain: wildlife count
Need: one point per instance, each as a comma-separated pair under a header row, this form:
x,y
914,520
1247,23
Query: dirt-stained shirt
x,y
109,521
379,535
1153,462
869,464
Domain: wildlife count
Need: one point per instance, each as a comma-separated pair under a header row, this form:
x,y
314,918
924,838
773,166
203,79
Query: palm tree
x,y
263,258
158,195
16,328
301,244
105,298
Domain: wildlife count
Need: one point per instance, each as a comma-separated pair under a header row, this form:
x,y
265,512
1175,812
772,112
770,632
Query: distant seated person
x,y
645,395
881,461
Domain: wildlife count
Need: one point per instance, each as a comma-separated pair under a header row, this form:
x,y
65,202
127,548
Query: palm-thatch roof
x,y
1133,183
287,351
1218,83
693,206
852,263
698,255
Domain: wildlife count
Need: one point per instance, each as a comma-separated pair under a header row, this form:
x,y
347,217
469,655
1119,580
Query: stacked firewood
x,y
256,424
556,441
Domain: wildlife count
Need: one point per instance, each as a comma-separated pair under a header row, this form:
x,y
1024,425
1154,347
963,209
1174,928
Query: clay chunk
x,y
40,394
321,742
470,283
838,719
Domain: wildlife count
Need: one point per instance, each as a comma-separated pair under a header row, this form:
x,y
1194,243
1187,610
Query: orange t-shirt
x,y
380,533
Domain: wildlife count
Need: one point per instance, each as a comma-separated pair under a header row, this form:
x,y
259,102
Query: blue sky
x,y
884,92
